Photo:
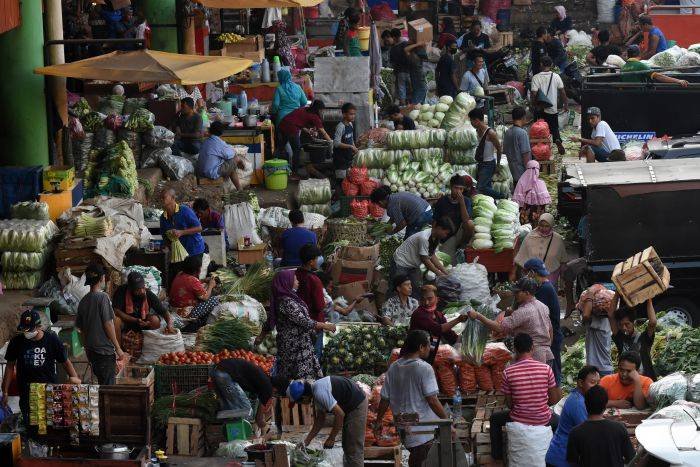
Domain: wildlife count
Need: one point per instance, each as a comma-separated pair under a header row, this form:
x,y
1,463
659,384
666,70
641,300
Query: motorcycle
x,y
501,66
571,76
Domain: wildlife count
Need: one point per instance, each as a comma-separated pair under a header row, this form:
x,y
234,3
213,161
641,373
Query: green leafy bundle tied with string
x,y
177,251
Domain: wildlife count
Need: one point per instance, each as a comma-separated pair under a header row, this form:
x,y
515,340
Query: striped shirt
x,y
527,382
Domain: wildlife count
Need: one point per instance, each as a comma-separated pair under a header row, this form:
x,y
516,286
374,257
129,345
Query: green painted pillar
x,y
162,16
23,127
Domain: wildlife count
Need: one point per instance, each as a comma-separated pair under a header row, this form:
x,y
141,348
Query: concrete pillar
x,y
161,15
23,127
57,85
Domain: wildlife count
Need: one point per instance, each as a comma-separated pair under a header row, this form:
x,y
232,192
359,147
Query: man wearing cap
x,y
184,224
530,316
33,356
344,398
138,308
546,294
602,142
95,320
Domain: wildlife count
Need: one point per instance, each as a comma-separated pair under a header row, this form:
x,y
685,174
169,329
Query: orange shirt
x,y
618,391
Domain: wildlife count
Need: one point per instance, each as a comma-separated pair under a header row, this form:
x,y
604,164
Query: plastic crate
x,y
180,379
18,184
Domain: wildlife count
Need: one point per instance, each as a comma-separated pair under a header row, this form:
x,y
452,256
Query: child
x,y
344,148
334,308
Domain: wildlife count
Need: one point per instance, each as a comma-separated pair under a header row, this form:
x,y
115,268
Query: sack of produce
x,y
467,377
159,137
694,388
111,172
26,235
462,138
243,306
113,104
150,274
667,58
132,104
475,334
668,389
349,188
81,108
314,191
527,445
474,280
422,154
497,376
81,150
151,156
542,151
157,343
368,186
357,175
461,156
539,130
175,167
92,121
30,210
483,378
373,138
140,120
323,209
449,289
496,354
376,211
373,158
602,298
359,208
240,221
680,411
133,140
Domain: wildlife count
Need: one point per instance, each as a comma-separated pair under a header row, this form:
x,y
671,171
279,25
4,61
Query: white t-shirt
x,y
541,81
610,142
407,384
408,254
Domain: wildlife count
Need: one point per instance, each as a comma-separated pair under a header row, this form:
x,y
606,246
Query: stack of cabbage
x,y
425,175
484,210
432,115
461,146
496,224
377,160
456,114
502,179
314,195
26,246
415,139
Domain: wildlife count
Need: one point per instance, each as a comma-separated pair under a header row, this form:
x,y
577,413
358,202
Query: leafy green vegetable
x,y
475,334
681,352
228,333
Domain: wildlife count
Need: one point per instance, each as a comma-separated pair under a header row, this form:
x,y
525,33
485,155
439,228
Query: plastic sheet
x,y
668,389
159,137
151,157
175,167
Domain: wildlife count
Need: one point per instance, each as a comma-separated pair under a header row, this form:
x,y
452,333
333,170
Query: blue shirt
x,y
573,414
662,45
292,240
184,218
213,153
548,295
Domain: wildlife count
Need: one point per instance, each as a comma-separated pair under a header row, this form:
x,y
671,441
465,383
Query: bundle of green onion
x,y
93,227
177,251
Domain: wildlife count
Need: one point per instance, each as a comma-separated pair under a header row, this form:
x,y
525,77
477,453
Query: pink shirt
x,y
532,318
527,382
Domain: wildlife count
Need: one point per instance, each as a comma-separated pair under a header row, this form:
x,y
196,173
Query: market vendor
x,y
193,92
306,122
137,308
234,378
189,297
572,414
288,96
188,129
561,23
401,121
410,386
343,398
209,218
217,159
180,221
475,42
627,388
428,318
294,238
310,290
457,205
397,310
602,141
530,316
419,249
31,358
530,389
656,41
626,337
547,294
344,148
546,244
634,64
405,210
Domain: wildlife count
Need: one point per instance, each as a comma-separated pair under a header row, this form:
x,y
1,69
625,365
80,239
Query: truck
x,y
625,207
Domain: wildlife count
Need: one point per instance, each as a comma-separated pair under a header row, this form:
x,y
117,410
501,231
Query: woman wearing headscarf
x,y
531,194
296,331
561,23
288,97
545,244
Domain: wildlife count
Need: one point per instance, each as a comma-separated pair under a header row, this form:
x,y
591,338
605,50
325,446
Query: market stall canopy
x,y
150,66
258,3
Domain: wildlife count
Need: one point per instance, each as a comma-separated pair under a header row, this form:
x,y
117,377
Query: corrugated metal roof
x,y
634,172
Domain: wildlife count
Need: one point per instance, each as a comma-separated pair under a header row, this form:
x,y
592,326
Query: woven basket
x,y
353,232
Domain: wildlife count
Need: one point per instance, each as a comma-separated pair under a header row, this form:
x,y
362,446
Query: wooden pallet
x,y
185,437
641,277
486,404
387,456
297,418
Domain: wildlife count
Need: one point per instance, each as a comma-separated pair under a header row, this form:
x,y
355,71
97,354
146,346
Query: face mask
x,y
31,334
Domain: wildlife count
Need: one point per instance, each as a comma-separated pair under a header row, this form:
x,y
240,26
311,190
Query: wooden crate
x,y
297,418
505,38
547,167
641,277
487,403
185,437
125,414
387,456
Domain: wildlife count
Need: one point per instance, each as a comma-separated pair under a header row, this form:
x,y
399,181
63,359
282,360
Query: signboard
x,y
624,136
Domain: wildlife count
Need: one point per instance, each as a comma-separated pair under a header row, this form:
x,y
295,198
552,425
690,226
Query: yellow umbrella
x,y
258,3
150,66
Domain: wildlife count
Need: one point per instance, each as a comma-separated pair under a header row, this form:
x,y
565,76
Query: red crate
x,y
494,262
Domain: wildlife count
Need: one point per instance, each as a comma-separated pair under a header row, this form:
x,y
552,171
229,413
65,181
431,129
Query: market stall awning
x,y
258,3
150,66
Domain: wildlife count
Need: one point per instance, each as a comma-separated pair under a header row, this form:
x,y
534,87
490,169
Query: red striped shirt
x,y
527,383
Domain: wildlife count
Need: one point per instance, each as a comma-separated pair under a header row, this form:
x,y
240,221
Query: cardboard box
x,y
420,31
352,291
255,56
346,271
249,44
398,23
360,253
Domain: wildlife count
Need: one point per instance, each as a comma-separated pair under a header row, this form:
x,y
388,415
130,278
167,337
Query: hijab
x,y
530,190
549,219
285,78
282,287
561,12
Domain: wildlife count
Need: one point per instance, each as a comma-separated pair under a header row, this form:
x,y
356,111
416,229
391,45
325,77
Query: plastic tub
x,y
363,35
276,173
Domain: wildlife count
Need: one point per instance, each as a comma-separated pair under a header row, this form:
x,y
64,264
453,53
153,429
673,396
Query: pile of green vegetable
x,y
92,121
256,282
111,172
680,353
140,120
573,358
227,333
112,104
81,108
195,404
20,261
30,210
361,348
24,280
178,253
387,246
26,235
93,227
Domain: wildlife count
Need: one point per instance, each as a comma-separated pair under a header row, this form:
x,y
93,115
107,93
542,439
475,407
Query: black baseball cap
x,y
135,281
29,320
525,284
94,273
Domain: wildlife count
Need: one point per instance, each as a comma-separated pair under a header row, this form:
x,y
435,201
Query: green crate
x,y
71,341
180,379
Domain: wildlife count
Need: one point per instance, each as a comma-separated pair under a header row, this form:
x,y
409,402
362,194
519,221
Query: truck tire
x,y
684,308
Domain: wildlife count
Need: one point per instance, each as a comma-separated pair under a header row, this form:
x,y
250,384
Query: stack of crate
x,y
486,404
